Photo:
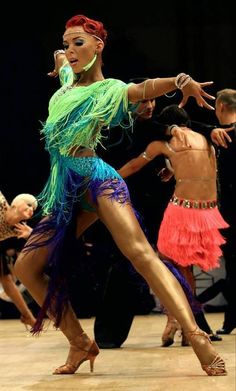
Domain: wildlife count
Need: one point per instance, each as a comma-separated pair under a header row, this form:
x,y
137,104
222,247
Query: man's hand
x,y
220,137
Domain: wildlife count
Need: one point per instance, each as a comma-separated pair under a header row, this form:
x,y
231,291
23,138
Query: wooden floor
x,y
140,365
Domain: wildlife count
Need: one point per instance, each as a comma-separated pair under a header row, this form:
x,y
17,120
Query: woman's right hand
x,y
23,231
196,90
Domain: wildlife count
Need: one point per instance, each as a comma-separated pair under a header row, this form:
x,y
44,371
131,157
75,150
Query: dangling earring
x,y
90,64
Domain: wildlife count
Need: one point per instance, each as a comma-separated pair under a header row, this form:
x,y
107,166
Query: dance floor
x,y
140,365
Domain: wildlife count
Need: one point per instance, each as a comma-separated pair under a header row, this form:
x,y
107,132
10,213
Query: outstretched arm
x,y
153,149
218,136
152,88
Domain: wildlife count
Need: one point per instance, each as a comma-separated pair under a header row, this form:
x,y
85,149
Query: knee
x,y
141,257
6,282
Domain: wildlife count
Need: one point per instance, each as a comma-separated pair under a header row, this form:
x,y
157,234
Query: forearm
x,y
152,88
220,135
202,128
134,165
127,170
62,68
60,58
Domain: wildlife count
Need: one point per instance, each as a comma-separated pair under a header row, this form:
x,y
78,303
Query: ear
x,y
223,107
99,47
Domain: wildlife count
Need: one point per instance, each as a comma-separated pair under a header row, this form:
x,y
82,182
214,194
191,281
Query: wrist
x,y
181,80
59,51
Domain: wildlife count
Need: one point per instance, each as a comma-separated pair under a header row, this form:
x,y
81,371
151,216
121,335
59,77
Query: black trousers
x,y
126,294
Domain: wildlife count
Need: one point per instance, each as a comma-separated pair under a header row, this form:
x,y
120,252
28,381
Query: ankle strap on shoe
x,y
199,332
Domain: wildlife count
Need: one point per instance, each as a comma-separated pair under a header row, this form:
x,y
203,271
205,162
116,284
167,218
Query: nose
x,y
149,105
70,48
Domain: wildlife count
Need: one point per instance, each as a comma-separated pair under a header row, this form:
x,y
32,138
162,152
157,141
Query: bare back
x,y
194,167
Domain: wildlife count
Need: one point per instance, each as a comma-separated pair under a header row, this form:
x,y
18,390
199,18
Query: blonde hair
x,y
28,198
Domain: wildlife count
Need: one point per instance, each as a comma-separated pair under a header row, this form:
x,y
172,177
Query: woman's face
x,y
145,108
24,210
80,47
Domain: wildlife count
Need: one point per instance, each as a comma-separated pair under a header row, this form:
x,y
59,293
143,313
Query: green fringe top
x,y
77,114
76,118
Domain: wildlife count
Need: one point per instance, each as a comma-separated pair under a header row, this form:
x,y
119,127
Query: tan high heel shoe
x,y
217,365
77,355
172,326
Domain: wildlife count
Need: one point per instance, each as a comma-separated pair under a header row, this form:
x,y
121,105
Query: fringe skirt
x,y
189,234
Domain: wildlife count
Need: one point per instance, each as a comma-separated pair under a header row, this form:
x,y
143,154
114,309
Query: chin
x,y
26,217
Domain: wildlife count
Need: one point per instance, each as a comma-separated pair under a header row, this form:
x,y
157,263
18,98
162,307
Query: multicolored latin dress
x,y
76,117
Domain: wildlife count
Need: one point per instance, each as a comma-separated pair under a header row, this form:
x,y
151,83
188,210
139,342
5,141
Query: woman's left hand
x,y
196,90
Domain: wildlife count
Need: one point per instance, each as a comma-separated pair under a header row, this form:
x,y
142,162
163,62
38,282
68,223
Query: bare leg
x,y
29,268
84,221
11,290
129,237
125,229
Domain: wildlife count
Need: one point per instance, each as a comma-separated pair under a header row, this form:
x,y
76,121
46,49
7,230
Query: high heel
x,y
217,365
216,368
184,340
172,326
77,355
